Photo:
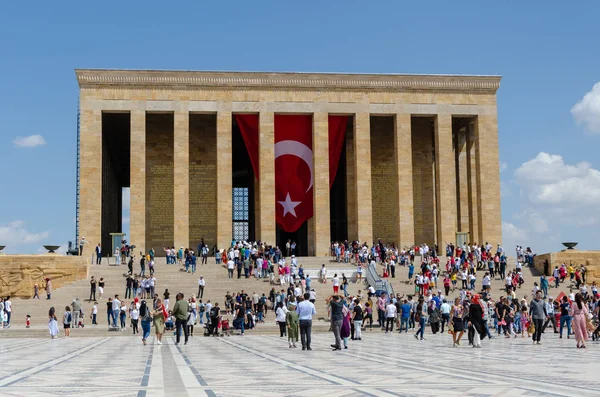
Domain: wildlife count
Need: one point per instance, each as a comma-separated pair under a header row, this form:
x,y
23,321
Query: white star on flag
x,y
289,205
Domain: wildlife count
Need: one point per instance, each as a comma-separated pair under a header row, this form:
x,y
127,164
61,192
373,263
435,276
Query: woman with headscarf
x,y
146,317
158,319
476,320
345,328
579,313
292,322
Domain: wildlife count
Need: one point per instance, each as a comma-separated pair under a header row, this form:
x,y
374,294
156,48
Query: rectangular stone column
x,y
462,182
137,176
445,183
362,176
403,154
90,177
351,210
181,182
224,176
473,175
321,217
266,165
488,182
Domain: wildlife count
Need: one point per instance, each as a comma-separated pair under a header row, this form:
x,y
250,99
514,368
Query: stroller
x,y
212,326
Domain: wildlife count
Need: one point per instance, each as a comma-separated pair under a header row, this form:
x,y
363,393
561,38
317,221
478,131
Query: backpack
x,y
69,317
201,308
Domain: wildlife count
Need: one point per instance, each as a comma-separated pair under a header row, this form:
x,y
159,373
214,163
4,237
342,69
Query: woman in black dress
x,y
476,320
457,322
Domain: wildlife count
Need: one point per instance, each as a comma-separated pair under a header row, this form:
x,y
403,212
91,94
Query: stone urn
x,y
570,246
52,248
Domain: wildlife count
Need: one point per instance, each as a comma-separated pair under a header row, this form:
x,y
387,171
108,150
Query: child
x,y
453,278
28,320
525,322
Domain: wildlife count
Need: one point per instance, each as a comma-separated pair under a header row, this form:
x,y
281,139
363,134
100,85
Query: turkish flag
x,y
293,170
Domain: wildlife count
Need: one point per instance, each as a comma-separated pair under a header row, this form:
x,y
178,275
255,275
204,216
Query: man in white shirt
x,y
336,283
116,308
445,310
486,283
230,267
201,285
152,284
371,291
323,274
390,316
306,310
95,313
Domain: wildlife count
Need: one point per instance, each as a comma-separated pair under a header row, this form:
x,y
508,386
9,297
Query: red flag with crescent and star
x,y
294,175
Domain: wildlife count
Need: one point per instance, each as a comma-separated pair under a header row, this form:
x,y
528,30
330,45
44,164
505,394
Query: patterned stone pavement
x,y
263,365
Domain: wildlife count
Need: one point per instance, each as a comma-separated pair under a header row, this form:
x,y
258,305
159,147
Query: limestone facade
x,y
590,259
412,176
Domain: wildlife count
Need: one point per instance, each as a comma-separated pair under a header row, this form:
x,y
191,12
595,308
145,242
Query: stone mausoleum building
x,y
408,159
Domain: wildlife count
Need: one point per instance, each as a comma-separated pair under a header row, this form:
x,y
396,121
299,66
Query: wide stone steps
x,y
168,276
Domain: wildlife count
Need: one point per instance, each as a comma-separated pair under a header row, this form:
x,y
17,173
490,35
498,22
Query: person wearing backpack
x,y
67,318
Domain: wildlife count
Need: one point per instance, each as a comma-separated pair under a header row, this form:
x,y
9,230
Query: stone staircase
x,y
176,280
172,277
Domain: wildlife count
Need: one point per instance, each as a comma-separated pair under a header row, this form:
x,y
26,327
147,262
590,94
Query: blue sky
x,y
547,53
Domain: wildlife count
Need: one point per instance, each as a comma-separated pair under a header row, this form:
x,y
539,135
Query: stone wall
x,y
203,179
159,182
590,259
384,180
18,273
423,180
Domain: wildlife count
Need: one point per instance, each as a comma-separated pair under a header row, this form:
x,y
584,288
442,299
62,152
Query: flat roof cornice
x,y
108,78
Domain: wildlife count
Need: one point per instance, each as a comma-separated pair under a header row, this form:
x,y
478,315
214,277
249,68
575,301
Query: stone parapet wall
x,y
19,273
590,259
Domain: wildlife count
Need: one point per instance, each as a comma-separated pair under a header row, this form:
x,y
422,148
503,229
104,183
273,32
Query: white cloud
x,y
557,200
503,166
125,219
29,141
513,235
14,234
16,224
546,179
586,112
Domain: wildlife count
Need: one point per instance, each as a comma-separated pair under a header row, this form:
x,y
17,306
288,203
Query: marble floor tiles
x,y
263,365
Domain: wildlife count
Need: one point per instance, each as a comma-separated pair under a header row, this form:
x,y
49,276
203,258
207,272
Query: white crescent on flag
x,y
299,150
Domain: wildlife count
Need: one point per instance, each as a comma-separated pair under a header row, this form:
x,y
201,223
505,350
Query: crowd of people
x,y
456,296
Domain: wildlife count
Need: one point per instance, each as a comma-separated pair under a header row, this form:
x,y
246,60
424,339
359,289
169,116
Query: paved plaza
x,y
263,365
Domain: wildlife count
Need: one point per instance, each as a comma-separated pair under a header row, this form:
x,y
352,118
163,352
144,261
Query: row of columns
x,y
483,206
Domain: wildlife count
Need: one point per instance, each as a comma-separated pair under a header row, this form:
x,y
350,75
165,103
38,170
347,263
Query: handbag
x,y
450,326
